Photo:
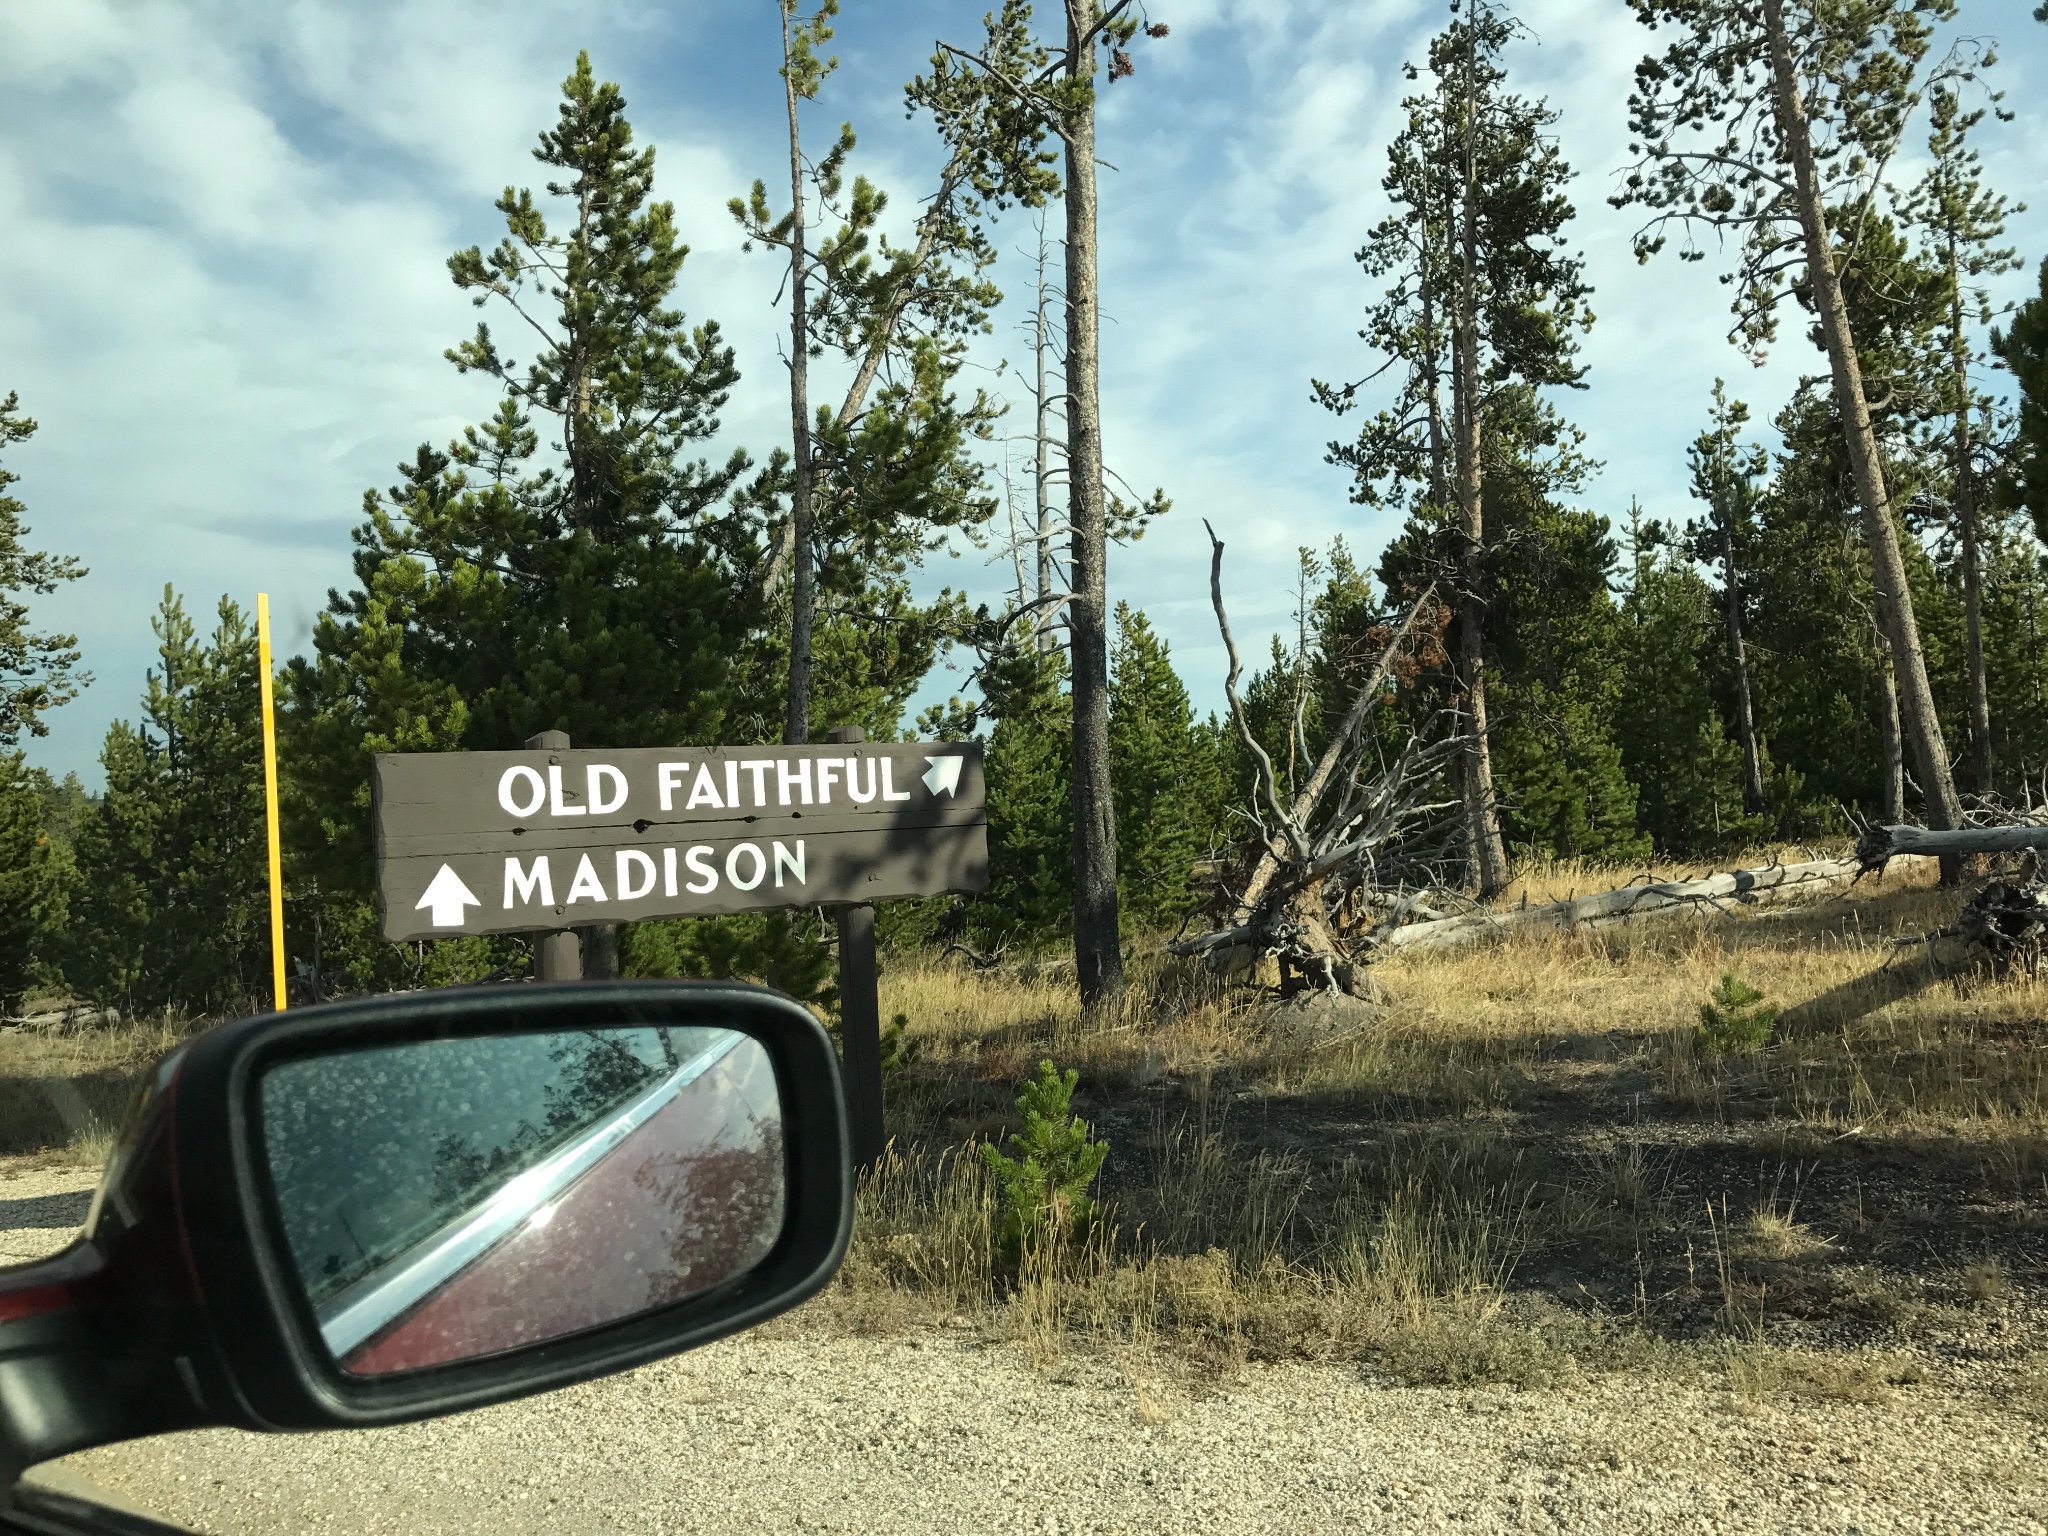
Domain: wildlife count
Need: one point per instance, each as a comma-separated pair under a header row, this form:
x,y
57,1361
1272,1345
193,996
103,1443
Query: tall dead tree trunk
x,y
1042,468
1489,861
1894,784
803,593
1098,954
1754,799
1922,724
1966,536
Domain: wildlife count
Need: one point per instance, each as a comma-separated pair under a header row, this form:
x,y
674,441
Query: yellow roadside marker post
x,y
270,802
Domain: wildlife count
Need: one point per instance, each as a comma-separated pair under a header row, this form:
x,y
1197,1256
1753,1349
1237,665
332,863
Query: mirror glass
x,y
445,1199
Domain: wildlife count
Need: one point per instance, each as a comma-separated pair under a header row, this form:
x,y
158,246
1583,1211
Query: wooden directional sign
x,y
501,842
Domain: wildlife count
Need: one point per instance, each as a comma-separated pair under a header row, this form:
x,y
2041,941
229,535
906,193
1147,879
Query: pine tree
x,y
2016,652
38,672
170,907
1485,299
2023,347
1288,701
1565,792
1728,479
783,950
1551,637
868,482
21,834
1030,798
1168,776
1688,774
1815,636
1768,119
1735,1020
996,107
1962,221
600,588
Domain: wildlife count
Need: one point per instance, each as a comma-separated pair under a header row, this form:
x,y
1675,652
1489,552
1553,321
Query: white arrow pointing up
x,y
447,895
944,774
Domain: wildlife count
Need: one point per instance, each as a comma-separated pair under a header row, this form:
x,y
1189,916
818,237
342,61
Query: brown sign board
x,y
504,842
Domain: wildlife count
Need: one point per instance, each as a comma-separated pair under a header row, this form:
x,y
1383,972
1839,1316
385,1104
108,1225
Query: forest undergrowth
x,y
1533,1164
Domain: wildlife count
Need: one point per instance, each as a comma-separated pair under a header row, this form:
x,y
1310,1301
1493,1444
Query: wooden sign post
x,y
557,952
550,839
860,1012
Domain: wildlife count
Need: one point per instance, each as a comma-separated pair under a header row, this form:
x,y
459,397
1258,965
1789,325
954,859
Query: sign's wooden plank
x,y
495,791
493,842
572,840
496,892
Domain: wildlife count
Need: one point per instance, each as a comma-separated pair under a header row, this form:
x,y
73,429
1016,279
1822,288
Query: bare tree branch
x,y
1268,783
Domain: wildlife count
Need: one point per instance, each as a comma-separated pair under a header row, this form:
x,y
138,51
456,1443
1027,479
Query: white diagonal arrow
x,y
944,774
447,895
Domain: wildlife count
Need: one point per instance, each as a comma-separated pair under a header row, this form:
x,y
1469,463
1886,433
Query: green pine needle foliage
x,y
20,836
1167,767
170,904
778,949
898,1049
1735,1021
1044,1181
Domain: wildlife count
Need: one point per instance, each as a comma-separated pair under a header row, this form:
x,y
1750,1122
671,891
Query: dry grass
x,y
1869,1032
1526,1120
1759,1372
63,1093
1986,1281
1220,1260
1520,1169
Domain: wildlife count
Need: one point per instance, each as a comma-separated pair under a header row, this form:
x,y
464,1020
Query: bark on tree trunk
x,y
1041,344
1878,844
1098,955
1489,860
1894,785
1966,536
796,729
1311,959
1973,624
1754,799
1888,567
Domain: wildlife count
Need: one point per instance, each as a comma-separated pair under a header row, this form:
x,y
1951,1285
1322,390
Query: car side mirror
x,y
384,1210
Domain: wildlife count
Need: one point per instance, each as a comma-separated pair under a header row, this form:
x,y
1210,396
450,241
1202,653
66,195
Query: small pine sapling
x,y
1735,1020
1044,1182
898,1049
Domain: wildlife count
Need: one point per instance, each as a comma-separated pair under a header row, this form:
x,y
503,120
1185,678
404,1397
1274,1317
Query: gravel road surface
x,y
41,1210
943,1434
804,1429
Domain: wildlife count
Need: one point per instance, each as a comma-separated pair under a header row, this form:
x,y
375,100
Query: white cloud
x,y
224,294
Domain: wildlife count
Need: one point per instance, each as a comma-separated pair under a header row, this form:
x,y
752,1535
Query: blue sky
x,y
222,289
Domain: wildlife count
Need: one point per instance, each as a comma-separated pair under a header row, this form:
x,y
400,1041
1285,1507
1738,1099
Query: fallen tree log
x,y
1774,881
1880,844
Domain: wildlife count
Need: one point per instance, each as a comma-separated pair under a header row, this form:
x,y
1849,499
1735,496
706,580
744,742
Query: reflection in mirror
x,y
445,1199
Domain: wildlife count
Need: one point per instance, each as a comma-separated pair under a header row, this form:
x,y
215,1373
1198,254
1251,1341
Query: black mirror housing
x,y
181,1306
